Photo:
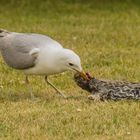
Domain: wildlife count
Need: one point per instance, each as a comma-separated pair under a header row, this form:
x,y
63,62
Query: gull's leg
x,y
57,90
29,87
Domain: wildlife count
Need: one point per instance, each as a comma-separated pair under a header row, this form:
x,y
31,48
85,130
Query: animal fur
x,y
108,90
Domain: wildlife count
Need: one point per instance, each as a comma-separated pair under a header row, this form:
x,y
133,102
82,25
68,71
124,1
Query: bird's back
x,y
15,47
26,39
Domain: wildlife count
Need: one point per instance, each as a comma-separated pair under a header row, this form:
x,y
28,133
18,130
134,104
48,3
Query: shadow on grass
x,y
52,98
80,97
17,96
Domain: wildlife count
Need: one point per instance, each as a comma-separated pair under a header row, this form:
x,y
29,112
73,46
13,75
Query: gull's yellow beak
x,y
83,74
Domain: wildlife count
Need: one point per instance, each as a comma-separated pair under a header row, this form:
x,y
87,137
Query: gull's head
x,y
72,61
69,60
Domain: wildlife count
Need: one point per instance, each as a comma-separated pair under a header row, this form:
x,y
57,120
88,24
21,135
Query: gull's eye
x,y
71,64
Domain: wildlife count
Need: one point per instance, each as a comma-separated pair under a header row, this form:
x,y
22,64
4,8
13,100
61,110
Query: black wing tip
x,y
3,32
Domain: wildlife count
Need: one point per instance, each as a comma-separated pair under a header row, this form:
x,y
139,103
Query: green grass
x,y
106,35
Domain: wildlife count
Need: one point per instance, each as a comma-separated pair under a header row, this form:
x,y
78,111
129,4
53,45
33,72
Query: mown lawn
x,y
106,35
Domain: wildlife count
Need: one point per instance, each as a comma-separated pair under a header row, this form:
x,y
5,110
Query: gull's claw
x,y
57,90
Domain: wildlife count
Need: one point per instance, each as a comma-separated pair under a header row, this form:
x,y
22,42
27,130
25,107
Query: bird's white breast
x,y
45,63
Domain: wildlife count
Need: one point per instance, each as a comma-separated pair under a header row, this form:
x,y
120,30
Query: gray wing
x,y
15,48
17,59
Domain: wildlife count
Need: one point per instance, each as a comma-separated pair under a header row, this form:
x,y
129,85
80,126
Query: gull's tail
x,y
3,33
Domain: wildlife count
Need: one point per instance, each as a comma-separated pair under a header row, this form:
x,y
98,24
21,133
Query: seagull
x,y
36,54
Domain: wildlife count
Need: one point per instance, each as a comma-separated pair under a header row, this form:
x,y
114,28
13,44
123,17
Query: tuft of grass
x,y
106,35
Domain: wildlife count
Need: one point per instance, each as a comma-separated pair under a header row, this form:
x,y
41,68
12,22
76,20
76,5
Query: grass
x,y
106,35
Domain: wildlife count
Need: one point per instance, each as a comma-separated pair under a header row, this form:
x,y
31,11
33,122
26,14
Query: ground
x,y
106,35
